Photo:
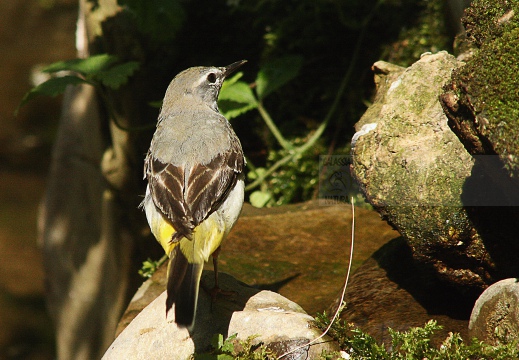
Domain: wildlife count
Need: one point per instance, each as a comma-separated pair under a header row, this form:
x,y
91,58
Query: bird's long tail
x,y
182,288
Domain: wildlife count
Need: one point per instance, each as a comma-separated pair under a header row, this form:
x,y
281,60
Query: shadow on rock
x,y
266,317
152,335
392,290
492,203
275,286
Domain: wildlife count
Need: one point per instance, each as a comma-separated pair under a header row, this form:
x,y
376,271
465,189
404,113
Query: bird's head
x,y
201,82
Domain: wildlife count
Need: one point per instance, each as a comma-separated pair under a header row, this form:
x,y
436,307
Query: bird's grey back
x,y
190,135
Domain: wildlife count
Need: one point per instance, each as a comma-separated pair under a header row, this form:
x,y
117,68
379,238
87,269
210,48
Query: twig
x,y
343,294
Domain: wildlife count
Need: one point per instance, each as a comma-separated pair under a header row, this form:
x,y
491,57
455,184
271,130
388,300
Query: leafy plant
x,y
150,266
412,344
239,97
280,180
100,71
294,181
231,348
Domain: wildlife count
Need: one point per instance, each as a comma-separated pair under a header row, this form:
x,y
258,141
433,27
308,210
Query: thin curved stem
x,y
343,293
320,130
113,116
272,127
269,171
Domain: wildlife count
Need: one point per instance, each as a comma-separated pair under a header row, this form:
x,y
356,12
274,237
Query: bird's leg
x,y
216,289
215,267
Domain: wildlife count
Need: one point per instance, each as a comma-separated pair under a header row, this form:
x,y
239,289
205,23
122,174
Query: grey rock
x,y
280,323
292,249
147,292
151,335
495,316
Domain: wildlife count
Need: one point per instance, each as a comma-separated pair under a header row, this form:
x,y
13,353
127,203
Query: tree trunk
x,y
93,235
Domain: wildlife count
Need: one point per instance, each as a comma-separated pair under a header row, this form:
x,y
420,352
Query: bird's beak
x,y
229,69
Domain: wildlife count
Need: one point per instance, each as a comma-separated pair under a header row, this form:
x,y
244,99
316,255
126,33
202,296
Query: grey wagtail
x,y
194,169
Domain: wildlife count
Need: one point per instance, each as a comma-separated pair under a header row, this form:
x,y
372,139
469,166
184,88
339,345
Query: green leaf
x,y
260,198
232,109
117,75
148,268
225,357
239,92
98,67
217,341
91,65
232,336
253,175
51,87
205,357
232,80
236,98
227,346
155,104
276,73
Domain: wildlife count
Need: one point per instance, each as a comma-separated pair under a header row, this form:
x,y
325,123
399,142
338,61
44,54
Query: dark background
x,y
324,33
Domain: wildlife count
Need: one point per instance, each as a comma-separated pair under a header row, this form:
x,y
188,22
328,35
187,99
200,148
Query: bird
x,y
195,184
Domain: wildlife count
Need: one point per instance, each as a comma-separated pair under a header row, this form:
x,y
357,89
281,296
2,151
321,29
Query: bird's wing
x,y
187,196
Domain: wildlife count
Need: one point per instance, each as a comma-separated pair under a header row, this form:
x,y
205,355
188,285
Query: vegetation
x,y
312,60
232,349
150,266
415,343
101,71
487,20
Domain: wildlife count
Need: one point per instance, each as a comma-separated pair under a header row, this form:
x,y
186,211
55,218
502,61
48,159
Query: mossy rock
x,y
414,170
486,20
482,101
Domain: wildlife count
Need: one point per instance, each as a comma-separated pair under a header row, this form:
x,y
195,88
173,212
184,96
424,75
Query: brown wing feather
x,y
209,184
188,200
166,183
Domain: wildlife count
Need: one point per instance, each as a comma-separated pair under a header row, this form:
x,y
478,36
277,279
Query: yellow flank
x,y
166,232
206,238
163,231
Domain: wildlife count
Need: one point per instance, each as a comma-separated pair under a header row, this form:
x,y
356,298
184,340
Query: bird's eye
x,y
211,78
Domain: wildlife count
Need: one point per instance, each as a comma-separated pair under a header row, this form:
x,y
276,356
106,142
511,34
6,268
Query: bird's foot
x,y
216,291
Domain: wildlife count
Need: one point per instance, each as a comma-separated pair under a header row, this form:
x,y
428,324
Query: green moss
x,y
486,20
492,87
